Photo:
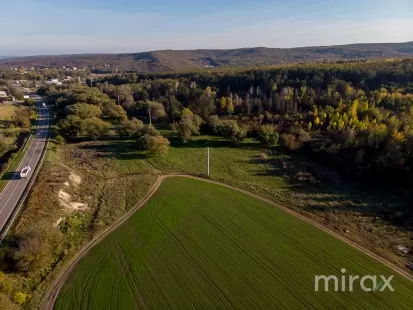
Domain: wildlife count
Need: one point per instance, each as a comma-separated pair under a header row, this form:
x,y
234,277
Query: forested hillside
x,y
170,60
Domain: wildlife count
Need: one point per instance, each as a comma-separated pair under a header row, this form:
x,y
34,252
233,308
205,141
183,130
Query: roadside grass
x,y
201,245
106,187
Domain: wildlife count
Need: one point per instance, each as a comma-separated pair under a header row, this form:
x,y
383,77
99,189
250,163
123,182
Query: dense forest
x,y
357,118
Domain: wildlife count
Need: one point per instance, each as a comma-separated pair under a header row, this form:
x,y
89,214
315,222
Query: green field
x,y
344,205
201,245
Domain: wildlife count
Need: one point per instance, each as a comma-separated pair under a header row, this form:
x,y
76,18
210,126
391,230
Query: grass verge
x,y
78,193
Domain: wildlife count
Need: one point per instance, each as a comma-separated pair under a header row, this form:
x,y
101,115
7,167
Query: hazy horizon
x,y
244,47
53,27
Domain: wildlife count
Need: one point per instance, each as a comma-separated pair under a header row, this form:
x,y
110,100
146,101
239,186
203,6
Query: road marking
x,y
32,151
18,182
30,184
20,165
37,126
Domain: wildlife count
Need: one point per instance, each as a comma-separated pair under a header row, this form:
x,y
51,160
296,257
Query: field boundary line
x,y
305,219
51,294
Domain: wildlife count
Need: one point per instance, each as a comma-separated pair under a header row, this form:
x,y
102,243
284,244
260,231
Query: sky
x,y
39,27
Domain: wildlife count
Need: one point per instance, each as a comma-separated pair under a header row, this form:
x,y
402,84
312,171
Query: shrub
x,y
214,123
29,102
59,139
158,145
290,142
34,253
233,132
21,298
130,128
188,126
268,135
150,130
304,136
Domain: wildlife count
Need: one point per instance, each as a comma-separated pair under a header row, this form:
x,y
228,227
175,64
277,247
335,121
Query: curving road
x,y
14,190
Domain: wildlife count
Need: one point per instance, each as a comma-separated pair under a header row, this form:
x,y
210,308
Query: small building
x,y
53,81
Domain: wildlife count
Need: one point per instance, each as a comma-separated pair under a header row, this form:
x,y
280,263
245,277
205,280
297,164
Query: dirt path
x,y
51,295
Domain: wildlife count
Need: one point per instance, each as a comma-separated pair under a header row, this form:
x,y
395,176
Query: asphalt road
x,y
14,190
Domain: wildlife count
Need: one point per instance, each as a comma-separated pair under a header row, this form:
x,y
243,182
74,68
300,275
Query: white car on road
x,y
25,172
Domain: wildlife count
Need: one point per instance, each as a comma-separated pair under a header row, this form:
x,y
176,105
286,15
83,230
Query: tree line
x,y
83,112
357,117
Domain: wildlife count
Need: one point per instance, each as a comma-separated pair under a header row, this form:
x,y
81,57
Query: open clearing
x,y
6,112
350,208
201,245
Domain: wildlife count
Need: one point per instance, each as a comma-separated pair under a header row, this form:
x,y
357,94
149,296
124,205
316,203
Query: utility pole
x,y
208,161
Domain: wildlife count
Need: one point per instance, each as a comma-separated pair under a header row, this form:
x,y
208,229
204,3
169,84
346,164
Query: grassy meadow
x,y
351,208
346,206
200,245
6,112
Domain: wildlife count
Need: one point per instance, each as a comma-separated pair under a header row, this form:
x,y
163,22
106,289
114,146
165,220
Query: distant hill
x,y
169,60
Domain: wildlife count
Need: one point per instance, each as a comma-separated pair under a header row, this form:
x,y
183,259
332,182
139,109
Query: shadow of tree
x,y
5,123
9,176
116,149
323,190
318,188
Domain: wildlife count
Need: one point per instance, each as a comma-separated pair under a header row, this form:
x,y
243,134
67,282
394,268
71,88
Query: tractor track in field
x,y
50,296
